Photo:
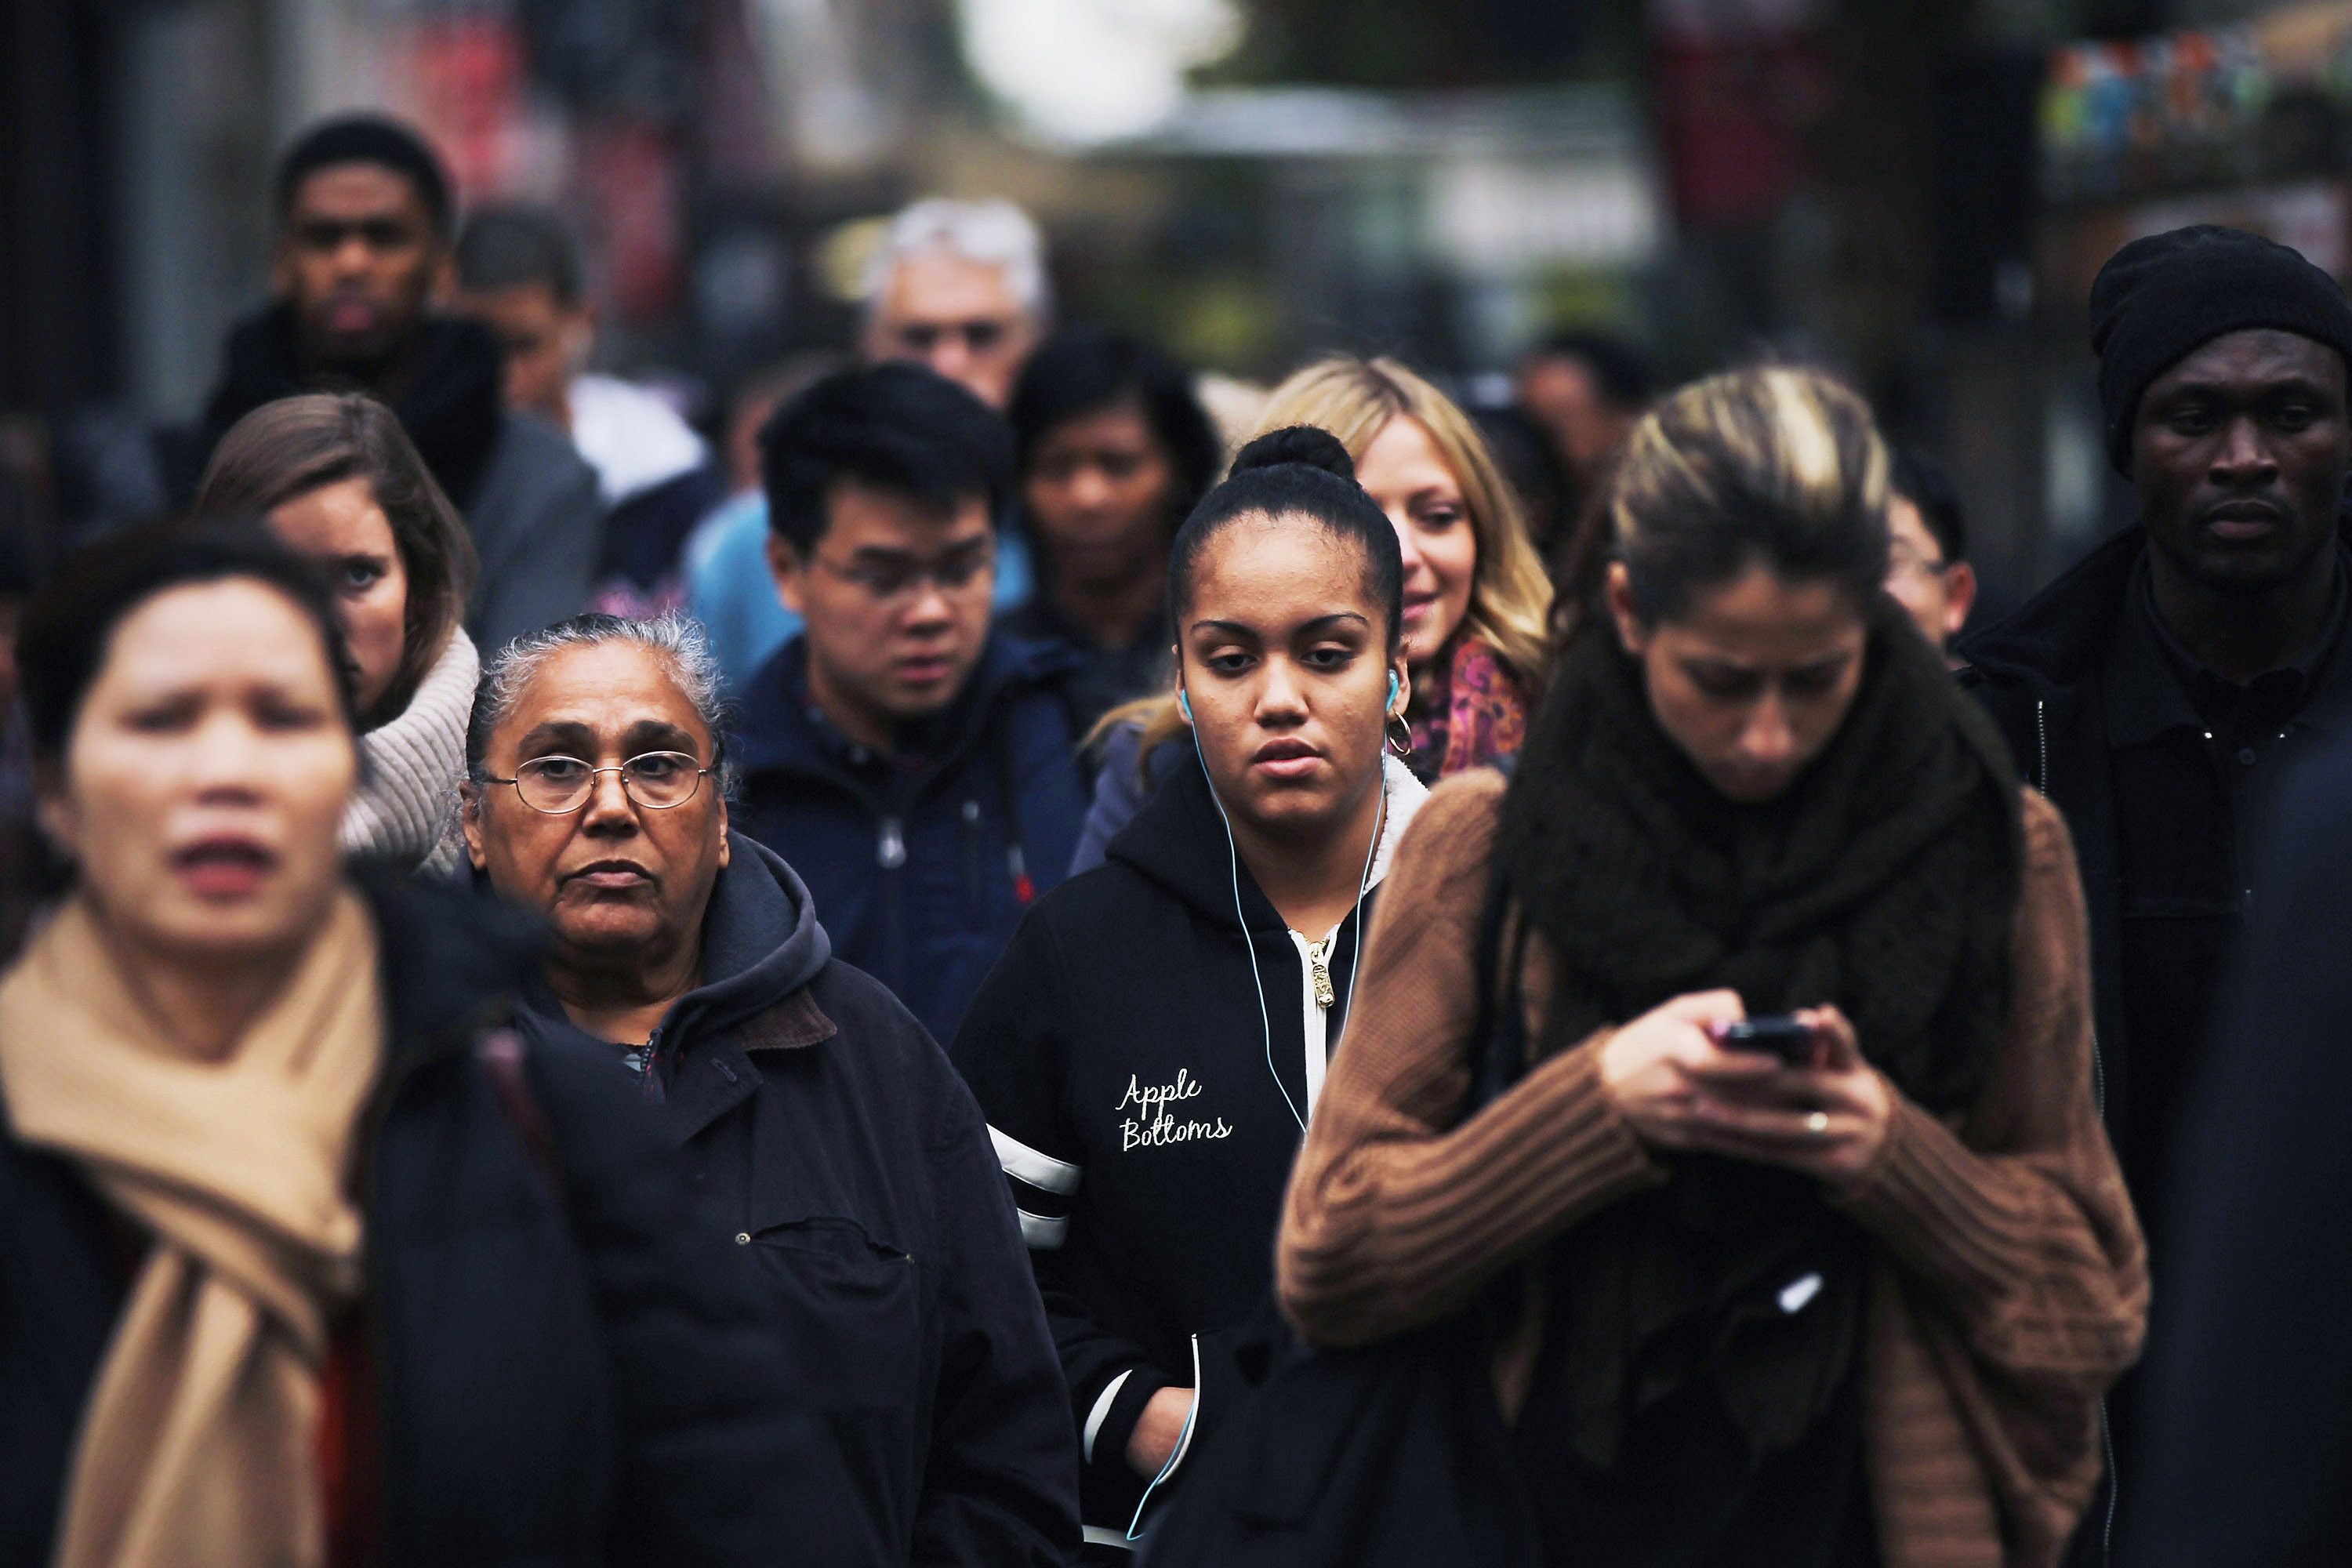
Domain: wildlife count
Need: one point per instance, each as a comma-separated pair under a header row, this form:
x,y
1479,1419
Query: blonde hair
x,y
1510,595
1771,464
1354,399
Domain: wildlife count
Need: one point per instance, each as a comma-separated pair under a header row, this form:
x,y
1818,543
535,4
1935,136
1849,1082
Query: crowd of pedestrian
x,y
582,993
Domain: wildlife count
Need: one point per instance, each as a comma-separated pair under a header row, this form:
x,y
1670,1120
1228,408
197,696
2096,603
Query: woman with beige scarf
x,y
303,1262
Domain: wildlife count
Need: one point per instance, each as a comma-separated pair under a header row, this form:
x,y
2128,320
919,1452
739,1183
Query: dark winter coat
x,y
578,1378
529,498
922,861
850,1169
2166,865
2249,1376
1145,1111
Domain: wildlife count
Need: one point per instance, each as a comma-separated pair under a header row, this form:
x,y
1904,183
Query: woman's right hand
x,y
1158,1431
1648,1066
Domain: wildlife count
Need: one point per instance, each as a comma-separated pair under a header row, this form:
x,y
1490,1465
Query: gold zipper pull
x,y
1318,956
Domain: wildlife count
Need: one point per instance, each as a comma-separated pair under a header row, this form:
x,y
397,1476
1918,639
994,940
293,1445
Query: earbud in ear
x,y
1393,689
1185,702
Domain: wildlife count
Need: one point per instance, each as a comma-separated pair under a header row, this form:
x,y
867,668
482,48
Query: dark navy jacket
x,y
854,1175
921,862
577,1380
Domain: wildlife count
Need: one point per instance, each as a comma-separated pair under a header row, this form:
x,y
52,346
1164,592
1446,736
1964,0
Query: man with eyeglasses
x,y
1927,570
921,771
840,1157
361,255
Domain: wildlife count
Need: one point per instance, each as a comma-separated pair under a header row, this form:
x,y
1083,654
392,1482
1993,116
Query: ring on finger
x,y
1818,1123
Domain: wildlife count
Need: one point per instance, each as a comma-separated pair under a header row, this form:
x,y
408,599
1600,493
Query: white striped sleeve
x,y
1101,1411
1040,1170
1042,1235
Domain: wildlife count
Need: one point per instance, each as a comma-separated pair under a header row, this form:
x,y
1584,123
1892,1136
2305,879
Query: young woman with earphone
x,y
1150,1048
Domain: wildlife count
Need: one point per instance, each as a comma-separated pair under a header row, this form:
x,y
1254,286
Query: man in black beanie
x,y
365,225
2157,692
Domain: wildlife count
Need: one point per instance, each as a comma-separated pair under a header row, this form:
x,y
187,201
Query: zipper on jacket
x,y
2042,734
891,852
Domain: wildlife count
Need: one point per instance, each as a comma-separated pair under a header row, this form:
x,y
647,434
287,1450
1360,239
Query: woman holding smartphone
x,y
1853,1306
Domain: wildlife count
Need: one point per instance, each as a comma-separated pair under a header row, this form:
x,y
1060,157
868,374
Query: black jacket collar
x,y
451,409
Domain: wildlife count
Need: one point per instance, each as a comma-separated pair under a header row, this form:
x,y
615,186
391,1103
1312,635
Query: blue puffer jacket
x,y
922,861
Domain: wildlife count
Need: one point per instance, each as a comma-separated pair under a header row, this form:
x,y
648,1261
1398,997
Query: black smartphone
x,y
1781,1034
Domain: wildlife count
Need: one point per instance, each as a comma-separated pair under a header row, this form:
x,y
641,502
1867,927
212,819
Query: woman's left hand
x,y
1828,1119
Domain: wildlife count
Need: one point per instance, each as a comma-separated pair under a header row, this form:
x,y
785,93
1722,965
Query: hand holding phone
x,y
1780,1034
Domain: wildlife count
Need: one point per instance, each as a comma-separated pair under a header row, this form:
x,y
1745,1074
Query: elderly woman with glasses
x,y
851,1167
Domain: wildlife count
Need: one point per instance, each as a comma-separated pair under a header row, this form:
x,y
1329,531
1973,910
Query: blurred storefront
x,y
1915,192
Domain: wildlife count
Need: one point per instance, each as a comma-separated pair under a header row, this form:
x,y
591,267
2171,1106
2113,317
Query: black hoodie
x,y
854,1173
1145,1111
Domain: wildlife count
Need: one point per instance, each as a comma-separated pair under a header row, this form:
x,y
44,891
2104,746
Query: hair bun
x,y
1306,445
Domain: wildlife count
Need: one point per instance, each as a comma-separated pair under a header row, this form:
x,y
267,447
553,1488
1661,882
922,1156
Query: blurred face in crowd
x,y
204,780
620,883
1285,661
2239,455
359,257
1937,593
546,344
955,315
341,528
1403,472
1561,394
1753,677
897,596
1097,494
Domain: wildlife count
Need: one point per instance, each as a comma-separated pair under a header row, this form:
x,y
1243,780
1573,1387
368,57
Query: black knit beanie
x,y
2159,298
367,139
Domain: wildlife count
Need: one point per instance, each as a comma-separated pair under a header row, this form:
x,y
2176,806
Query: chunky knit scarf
x,y
1885,880
405,813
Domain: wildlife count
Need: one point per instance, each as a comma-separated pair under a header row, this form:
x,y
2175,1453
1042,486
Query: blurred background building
x,y
1915,192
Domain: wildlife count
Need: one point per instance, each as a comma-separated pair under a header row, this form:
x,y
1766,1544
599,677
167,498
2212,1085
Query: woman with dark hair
x,y
335,477
304,1258
1153,1040
1113,449
1476,596
1802,1239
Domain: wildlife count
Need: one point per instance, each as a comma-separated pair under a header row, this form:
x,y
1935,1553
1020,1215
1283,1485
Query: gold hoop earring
x,y
1390,734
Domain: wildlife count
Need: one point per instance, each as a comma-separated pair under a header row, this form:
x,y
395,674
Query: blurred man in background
x,y
362,258
1927,568
962,288
519,274
727,587
919,772
959,287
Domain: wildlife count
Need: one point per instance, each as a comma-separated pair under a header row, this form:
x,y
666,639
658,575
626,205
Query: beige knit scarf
x,y
198,1444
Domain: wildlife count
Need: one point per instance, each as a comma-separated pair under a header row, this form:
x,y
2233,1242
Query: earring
x,y
1390,734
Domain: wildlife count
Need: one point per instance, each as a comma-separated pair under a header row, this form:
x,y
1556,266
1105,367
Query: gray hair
x,y
992,233
678,638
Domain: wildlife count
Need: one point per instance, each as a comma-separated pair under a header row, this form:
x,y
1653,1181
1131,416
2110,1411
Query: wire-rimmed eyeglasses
x,y
658,780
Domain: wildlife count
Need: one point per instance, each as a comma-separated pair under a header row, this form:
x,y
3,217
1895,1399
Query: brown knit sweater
x,y
2010,1282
